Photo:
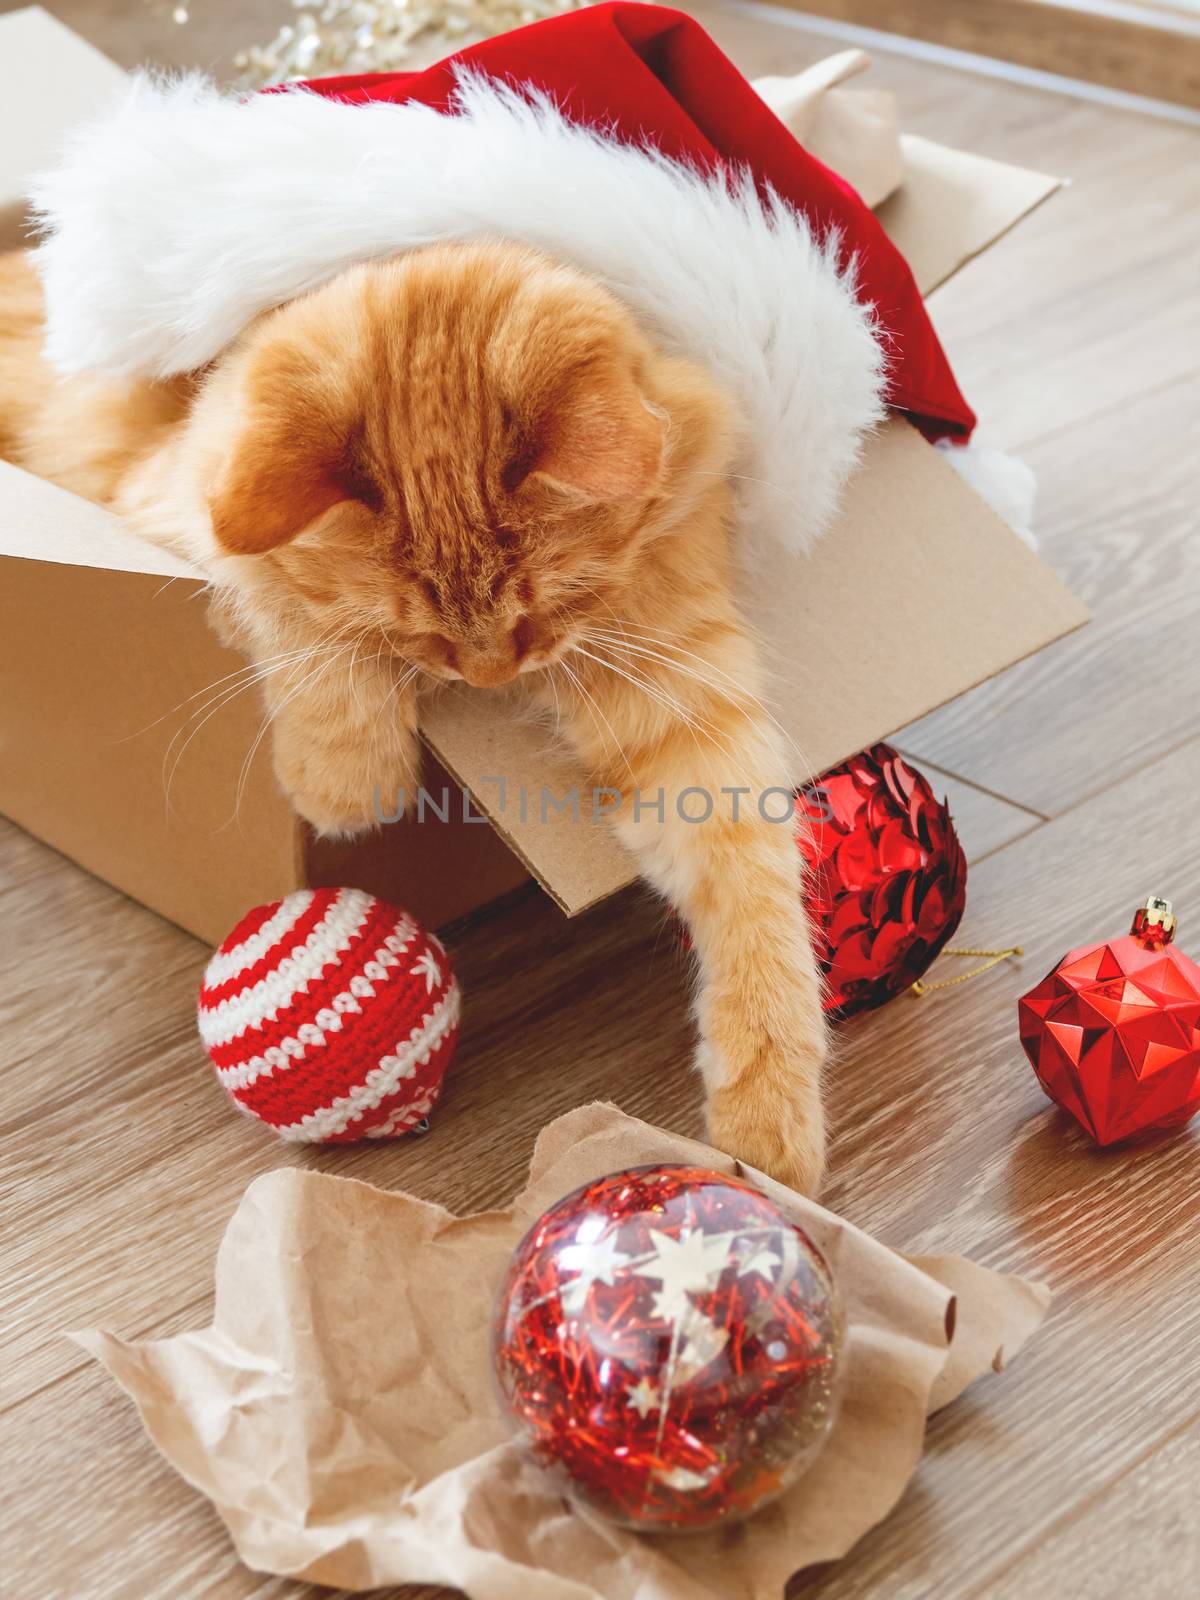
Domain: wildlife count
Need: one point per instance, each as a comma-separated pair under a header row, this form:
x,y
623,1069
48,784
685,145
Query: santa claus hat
x,y
618,138
184,213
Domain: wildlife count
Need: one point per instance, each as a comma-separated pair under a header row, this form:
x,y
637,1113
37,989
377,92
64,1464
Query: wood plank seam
x,y
1143,392
980,788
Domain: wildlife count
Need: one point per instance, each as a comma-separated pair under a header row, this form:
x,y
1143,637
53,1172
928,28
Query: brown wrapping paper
x,y
339,1413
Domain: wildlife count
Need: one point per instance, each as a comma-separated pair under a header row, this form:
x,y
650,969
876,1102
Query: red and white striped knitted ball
x,y
331,1016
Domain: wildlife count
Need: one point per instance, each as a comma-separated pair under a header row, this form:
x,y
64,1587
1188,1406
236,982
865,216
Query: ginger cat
x,y
468,462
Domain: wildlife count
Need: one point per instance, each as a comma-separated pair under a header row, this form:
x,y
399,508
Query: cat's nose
x,y
487,669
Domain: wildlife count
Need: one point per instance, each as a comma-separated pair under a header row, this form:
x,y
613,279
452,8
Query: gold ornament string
x,y
994,958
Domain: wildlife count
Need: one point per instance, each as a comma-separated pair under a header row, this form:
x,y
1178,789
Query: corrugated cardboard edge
x,y
570,906
952,206
42,522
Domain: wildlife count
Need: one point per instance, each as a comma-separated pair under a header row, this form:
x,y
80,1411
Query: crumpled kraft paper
x,y
856,132
339,1413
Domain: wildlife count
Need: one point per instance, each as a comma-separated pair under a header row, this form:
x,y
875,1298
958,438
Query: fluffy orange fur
x,y
469,462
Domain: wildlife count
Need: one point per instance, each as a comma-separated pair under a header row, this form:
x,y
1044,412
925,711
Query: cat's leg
x,y
345,740
705,807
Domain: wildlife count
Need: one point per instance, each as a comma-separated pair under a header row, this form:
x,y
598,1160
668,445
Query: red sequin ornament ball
x,y
667,1343
887,877
1113,1031
331,1016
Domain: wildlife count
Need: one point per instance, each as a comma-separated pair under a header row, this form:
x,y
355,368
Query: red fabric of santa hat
x,y
651,74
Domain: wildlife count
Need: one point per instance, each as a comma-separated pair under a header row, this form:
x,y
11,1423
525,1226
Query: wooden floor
x,y
1075,779
1147,47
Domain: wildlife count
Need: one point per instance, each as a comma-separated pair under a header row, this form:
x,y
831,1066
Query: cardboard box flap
x,y
42,522
942,589
940,206
953,205
523,783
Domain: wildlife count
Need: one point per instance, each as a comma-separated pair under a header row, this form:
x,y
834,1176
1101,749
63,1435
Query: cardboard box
x,y
125,746
50,78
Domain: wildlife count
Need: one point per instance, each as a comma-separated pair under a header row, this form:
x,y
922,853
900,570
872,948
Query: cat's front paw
x,y
770,1115
338,798
333,819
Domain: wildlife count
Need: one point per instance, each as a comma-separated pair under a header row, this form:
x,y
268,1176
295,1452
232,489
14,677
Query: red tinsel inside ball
x,y
667,1343
887,877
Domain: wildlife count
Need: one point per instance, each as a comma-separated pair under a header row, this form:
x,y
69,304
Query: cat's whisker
x,y
373,724
377,722
350,679
612,642
220,701
653,692
607,642
684,715
403,672
595,710
743,705
747,477
398,687
553,681
562,618
209,710
741,692
256,671
363,637
272,713
741,699
642,640
250,667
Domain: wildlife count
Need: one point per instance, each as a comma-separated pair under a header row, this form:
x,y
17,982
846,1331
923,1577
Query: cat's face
x,y
462,451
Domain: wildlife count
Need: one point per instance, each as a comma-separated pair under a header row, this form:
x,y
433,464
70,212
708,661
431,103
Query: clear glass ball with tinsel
x,y
668,1344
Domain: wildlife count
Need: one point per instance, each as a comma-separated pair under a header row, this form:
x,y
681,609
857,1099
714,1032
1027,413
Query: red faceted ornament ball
x,y
667,1343
1113,1031
887,878
331,1016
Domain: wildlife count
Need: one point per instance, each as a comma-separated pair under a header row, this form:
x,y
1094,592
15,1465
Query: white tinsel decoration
x,y
349,36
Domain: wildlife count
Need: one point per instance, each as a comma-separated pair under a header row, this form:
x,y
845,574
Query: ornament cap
x,y
1155,922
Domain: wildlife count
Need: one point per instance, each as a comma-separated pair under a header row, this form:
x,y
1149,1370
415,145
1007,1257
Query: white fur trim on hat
x,y
177,218
1005,481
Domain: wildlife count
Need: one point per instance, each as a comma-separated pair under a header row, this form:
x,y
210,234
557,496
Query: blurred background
x,y
1147,48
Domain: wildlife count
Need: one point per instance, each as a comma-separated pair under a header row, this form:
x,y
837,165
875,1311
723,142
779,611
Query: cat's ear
x,y
600,438
279,477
